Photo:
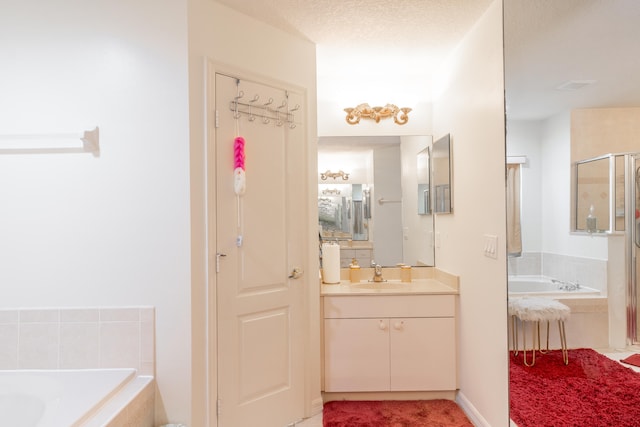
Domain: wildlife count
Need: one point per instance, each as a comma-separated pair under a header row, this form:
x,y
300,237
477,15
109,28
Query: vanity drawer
x,y
367,306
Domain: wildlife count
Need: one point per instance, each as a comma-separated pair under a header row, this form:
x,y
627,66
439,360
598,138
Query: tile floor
x,y
615,354
619,354
315,421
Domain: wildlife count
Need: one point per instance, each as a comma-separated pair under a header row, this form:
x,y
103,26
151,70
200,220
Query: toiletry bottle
x,y
354,271
592,221
405,273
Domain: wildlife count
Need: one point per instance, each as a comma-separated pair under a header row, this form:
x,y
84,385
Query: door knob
x,y
296,273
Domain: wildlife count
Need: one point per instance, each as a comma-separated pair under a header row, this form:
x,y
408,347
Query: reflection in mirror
x,y
422,175
344,211
598,194
592,201
441,163
375,215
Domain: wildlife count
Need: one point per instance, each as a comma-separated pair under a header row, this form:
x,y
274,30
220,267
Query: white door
x,y
262,236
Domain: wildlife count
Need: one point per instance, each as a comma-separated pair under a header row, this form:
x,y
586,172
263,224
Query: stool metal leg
x,y
514,335
534,326
547,349
563,342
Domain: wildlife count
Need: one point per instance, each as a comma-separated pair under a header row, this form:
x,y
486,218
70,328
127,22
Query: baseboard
x,y
316,406
474,416
389,395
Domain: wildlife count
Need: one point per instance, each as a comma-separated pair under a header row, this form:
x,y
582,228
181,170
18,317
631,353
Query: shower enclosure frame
x,y
632,242
631,194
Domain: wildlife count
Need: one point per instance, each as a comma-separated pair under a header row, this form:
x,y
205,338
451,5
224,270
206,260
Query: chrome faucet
x,y
377,272
566,286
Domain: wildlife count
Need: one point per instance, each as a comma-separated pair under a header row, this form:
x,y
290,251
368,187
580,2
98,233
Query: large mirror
x,y
548,94
368,199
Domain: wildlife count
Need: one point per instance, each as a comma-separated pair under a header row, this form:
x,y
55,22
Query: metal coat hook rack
x,y
266,111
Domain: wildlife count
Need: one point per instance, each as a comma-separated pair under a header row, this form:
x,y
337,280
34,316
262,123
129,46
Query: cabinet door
x,y
356,355
423,355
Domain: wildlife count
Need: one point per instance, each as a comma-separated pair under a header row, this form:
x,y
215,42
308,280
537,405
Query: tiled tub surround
x,y
78,338
586,271
88,338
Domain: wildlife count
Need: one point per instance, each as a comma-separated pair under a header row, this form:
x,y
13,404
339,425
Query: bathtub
x,y
54,398
588,325
543,286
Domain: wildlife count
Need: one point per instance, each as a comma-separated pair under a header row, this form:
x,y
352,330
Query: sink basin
x,y
380,285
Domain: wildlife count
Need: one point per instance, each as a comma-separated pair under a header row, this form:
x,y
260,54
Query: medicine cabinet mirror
x,y
423,170
441,164
598,193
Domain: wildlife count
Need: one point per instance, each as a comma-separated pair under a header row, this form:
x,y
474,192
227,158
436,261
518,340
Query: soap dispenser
x,y
592,221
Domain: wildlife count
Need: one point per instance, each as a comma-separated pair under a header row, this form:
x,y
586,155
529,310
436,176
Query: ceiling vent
x,y
575,84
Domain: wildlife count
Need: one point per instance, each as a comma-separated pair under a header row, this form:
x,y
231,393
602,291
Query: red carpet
x,y
592,391
394,413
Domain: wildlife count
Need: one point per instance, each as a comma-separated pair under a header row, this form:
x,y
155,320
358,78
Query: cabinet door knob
x,y
382,325
399,325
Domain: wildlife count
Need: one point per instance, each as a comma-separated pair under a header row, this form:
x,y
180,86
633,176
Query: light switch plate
x,y
491,246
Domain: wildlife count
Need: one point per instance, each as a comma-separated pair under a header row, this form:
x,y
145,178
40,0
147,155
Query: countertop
x,y
391,287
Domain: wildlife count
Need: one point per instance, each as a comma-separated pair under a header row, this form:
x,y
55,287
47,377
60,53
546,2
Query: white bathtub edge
x,y
133,405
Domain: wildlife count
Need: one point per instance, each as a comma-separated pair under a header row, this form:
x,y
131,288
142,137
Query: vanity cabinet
x,y
389,343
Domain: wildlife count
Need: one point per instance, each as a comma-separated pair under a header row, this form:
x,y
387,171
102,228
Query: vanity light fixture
x,y
334,175
364,111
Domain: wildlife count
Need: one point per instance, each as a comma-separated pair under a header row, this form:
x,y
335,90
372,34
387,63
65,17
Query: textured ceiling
x,y
375,51
398,44
550,42
431,24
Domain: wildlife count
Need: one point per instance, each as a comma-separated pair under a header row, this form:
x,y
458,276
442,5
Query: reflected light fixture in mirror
x,y
334,175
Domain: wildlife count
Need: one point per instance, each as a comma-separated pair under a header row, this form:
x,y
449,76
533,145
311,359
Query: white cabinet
x,y
356,354
423,354
409,346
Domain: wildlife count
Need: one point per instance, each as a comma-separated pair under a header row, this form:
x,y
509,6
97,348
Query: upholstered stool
x,y
536,310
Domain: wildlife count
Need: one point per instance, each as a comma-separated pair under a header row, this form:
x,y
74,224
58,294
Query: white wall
x,y
471,108
109,231
236,43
